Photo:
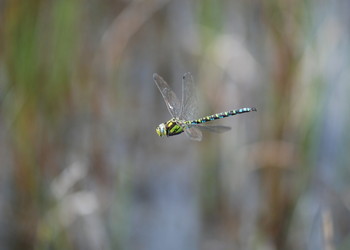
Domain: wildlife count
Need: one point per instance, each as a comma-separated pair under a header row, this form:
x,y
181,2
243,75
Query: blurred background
x,y
81,166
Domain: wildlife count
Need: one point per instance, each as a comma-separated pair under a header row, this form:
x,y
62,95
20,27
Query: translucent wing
x,y
194,133
213,128
189,98
171,100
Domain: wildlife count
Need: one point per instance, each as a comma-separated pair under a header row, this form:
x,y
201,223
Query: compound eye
x,y
161,130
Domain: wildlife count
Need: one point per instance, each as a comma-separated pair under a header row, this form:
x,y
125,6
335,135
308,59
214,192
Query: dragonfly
x,y
183,113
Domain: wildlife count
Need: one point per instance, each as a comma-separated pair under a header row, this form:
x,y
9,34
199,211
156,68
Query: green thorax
x,y
174,127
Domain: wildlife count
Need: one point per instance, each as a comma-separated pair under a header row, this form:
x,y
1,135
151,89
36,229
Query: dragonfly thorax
x,y
170,128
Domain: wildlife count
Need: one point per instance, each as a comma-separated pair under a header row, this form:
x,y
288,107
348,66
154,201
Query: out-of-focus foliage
x,y
81,166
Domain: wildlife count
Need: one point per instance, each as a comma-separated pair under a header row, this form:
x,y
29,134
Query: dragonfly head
x,y
161,130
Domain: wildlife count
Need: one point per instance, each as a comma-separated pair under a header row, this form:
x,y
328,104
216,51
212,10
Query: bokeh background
x,y
81,166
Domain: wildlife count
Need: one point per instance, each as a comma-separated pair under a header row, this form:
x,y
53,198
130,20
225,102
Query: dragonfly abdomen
x,y
221,115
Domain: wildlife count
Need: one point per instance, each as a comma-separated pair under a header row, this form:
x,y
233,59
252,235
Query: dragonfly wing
x,y
189,98
170,98
194,133
213,128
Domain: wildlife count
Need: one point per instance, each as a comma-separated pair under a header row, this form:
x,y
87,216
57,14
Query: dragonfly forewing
x,y
172,102
189,108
